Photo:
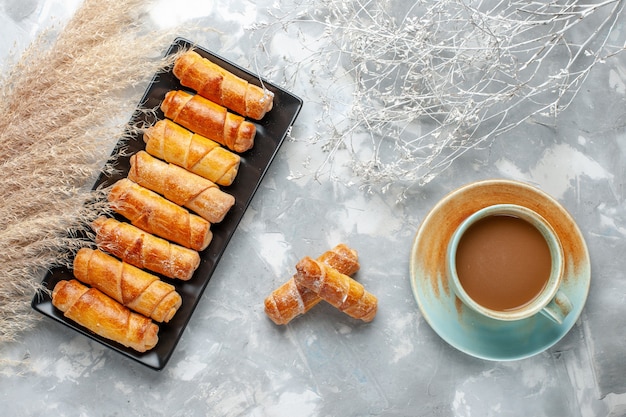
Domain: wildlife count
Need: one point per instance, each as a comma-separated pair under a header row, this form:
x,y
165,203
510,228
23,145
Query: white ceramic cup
x,y
551,302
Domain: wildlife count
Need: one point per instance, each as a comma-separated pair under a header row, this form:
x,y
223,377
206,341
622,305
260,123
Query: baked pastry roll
x,y
223,87
173,143
180,186
290,300
209,119
144,250
336,288
104,316
130,286
159,216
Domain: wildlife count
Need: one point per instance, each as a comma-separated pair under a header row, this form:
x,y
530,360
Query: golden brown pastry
x,y
290,300
159,216
209,119
336,288
144,250
343,258
223,87
195,153
180,186
128,285
104,316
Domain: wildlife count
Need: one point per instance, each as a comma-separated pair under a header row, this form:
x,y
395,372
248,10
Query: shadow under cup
x,y
506,263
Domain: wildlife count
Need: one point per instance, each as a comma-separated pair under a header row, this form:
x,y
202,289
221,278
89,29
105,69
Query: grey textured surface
x,y
233,361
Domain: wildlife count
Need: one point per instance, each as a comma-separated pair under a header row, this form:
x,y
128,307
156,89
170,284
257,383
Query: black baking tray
x,y
271,132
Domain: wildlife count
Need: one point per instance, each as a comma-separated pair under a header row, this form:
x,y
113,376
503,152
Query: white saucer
x,y
466,330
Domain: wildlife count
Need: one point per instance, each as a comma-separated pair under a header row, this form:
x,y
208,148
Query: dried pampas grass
x,y
64,105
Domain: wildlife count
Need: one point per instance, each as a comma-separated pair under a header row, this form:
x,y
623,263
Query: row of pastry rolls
x,y
170,198
172,189
162,237
185,159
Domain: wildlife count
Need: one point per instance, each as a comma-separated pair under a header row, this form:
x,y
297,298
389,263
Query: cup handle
x,y
558,308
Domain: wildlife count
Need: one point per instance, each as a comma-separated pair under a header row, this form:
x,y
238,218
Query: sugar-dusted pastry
x,y
209,119
336,288
130,286
290,300
104,316
144,250
223,87
180,186
173,143
159,216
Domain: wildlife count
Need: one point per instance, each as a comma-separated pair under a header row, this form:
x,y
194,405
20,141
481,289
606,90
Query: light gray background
x,y
233,361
